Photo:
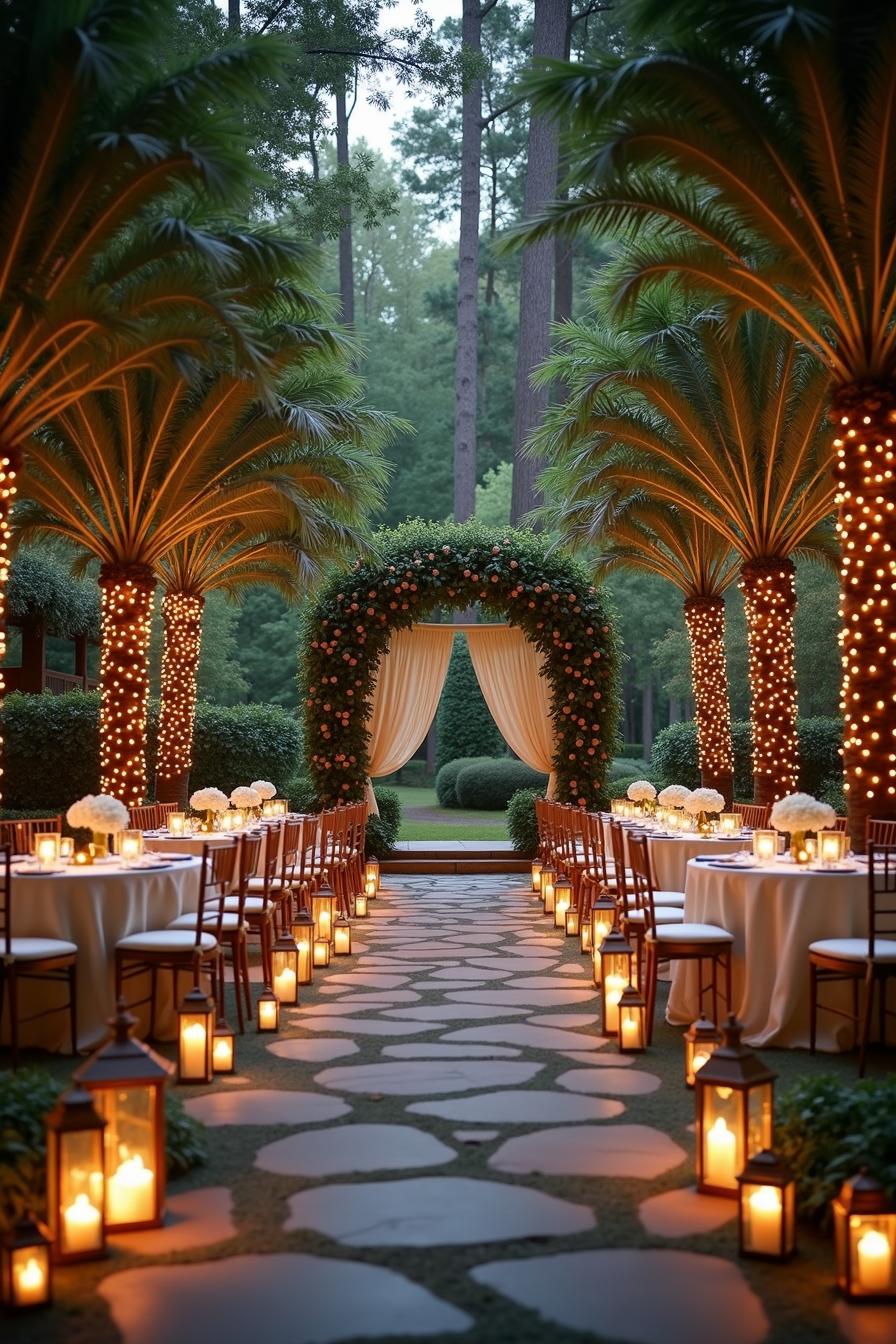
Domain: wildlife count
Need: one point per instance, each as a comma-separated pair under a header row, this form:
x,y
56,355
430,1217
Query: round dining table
x,y
93,907
774,911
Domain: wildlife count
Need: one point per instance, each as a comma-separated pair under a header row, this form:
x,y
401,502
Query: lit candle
x,y
30,1286
612,994
131,1193
721,1155
874,1261
81,1226
222,1054
194,1050
765,1220
285,985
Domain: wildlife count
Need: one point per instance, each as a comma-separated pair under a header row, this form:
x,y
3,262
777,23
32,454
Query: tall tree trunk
x,y
865,415
126,593
182,616
233,16
770,602
537,268
705,621
346,261
465,368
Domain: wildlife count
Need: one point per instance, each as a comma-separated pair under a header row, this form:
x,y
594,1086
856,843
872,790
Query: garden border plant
x,y
419,568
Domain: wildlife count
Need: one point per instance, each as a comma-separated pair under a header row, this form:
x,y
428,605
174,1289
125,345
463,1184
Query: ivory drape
x,y
409,683
508,668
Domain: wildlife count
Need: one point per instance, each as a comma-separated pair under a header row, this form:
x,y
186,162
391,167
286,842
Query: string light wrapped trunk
x,y
770,602
182,617
705,621
865,414
126,594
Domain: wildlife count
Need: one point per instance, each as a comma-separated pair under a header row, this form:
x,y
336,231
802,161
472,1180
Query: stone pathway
x,y
439,1144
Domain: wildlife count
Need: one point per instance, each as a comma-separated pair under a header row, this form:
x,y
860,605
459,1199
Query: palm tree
x,y
635,532
771,181
131,474
111,177
730,431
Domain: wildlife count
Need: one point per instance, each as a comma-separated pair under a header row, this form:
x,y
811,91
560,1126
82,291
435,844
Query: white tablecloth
x,y
94,907
774,912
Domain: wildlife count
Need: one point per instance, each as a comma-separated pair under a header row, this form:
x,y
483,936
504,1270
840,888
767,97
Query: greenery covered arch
x,y
422,566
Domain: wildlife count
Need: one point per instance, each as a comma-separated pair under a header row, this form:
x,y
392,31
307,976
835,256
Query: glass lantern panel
x,y
81,1188
872,1254
759,1119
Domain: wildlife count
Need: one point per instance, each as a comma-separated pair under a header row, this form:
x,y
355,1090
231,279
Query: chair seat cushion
x,y
692,933
665,914
40,949
164,940
230,922
855,949
675,898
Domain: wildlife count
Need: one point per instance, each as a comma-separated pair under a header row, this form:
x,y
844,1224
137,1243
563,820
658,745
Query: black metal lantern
x,y
323,911
285,969
76,1199
766,1208
26,1271
224,1047
616,966
700,1041
302,930
268,1010
195,1035
734,1093
127,1081
632,1037
865,1240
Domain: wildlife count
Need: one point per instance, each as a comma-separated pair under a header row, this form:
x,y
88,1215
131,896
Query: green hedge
x,y
521,824
674,759
446,779
489,785
231,746
464,724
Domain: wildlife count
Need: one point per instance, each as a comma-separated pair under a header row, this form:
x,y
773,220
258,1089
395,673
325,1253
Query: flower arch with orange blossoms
x,y
421,568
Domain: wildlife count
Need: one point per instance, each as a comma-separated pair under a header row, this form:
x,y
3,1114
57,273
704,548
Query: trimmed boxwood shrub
x,y
446,779
489,785
464,724
674,759
521,825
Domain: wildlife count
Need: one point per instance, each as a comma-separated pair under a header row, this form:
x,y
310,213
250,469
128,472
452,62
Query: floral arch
x,y
419,567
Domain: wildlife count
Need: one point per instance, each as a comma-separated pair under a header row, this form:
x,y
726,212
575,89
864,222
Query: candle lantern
x,y
632,1022
224,1047
342,937
616,965
572,921
700,1040
833,846
865,1240
177,823
302,930
321,952
548,877
765,846
730,823
361,905
562,901
47,845
285,969
25,1268
268,1011
75,1184
734,1097
323,911
195,1033
130,846
536,875
372,874
127,1079
766,1208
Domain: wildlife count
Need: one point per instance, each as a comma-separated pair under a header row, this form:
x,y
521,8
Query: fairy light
x,y
126,595
770,602
182,614
866,526
7,491
705,621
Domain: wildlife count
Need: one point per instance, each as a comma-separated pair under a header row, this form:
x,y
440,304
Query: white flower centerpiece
x,y
643,794
701,804
798,813
102,815
212,802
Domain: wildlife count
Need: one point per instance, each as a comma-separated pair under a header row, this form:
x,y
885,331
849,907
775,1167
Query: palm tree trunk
x,y
182,615
705,621
865,415
126,593
770,602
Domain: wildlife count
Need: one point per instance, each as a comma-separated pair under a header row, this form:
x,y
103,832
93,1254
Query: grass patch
x,y
434,830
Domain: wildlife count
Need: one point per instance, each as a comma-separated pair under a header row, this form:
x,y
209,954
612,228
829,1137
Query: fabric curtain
x,y
409,683
508,668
